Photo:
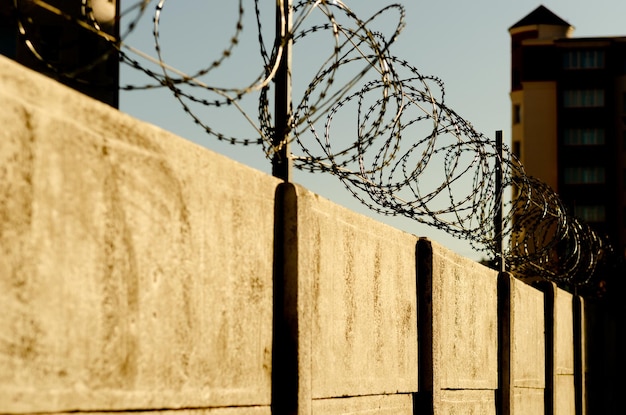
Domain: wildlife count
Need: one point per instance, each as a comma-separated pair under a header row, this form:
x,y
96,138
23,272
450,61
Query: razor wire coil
x,y
403,131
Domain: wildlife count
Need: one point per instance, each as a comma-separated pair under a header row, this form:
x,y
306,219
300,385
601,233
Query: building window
x,y
583,59
583,136
517,114
517,149
584,175
577,98
593,213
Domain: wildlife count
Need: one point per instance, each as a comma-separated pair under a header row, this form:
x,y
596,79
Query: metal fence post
x,y
281,162
499,217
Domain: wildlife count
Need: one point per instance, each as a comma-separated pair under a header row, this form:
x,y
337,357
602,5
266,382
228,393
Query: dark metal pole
x,y
499,219
116,56
281,162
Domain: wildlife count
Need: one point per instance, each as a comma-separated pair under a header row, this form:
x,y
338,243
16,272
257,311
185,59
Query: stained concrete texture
x,y
466,402
128,277
563,353
353,304
252,410
528,401
461,307
365,405
136,274
527,349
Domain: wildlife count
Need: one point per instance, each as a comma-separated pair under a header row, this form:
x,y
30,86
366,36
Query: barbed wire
x,y
408,153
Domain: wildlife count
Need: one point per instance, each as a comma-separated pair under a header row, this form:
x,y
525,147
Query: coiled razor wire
x,y
407,153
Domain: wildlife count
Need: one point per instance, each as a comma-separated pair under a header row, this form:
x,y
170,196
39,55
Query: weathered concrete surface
x,y
355,298
460,297
466,402
527,348
528,401
401,404
563,353
128,276
252,410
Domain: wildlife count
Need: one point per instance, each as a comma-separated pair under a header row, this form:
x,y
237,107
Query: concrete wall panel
x,y
527,355
528,401
563,333
459,332
128,278
564,395
400,404
252,410
466,402
563,353
358,306
465,322
527,336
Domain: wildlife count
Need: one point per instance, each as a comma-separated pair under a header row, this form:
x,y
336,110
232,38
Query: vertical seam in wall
x,y
549,293
423,400
285,380
503,395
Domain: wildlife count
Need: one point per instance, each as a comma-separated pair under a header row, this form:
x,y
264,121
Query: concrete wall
x,y
460,340
135,267
564,394
350,283
524,350
140,272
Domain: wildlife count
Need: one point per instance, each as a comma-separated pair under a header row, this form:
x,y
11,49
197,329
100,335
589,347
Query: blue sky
x,y
466,44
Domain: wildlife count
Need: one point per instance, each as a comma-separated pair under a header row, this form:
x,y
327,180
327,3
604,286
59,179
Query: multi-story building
x,y
568,99
50,39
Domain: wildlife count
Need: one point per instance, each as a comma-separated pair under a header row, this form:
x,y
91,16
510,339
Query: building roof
x,y
541,15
